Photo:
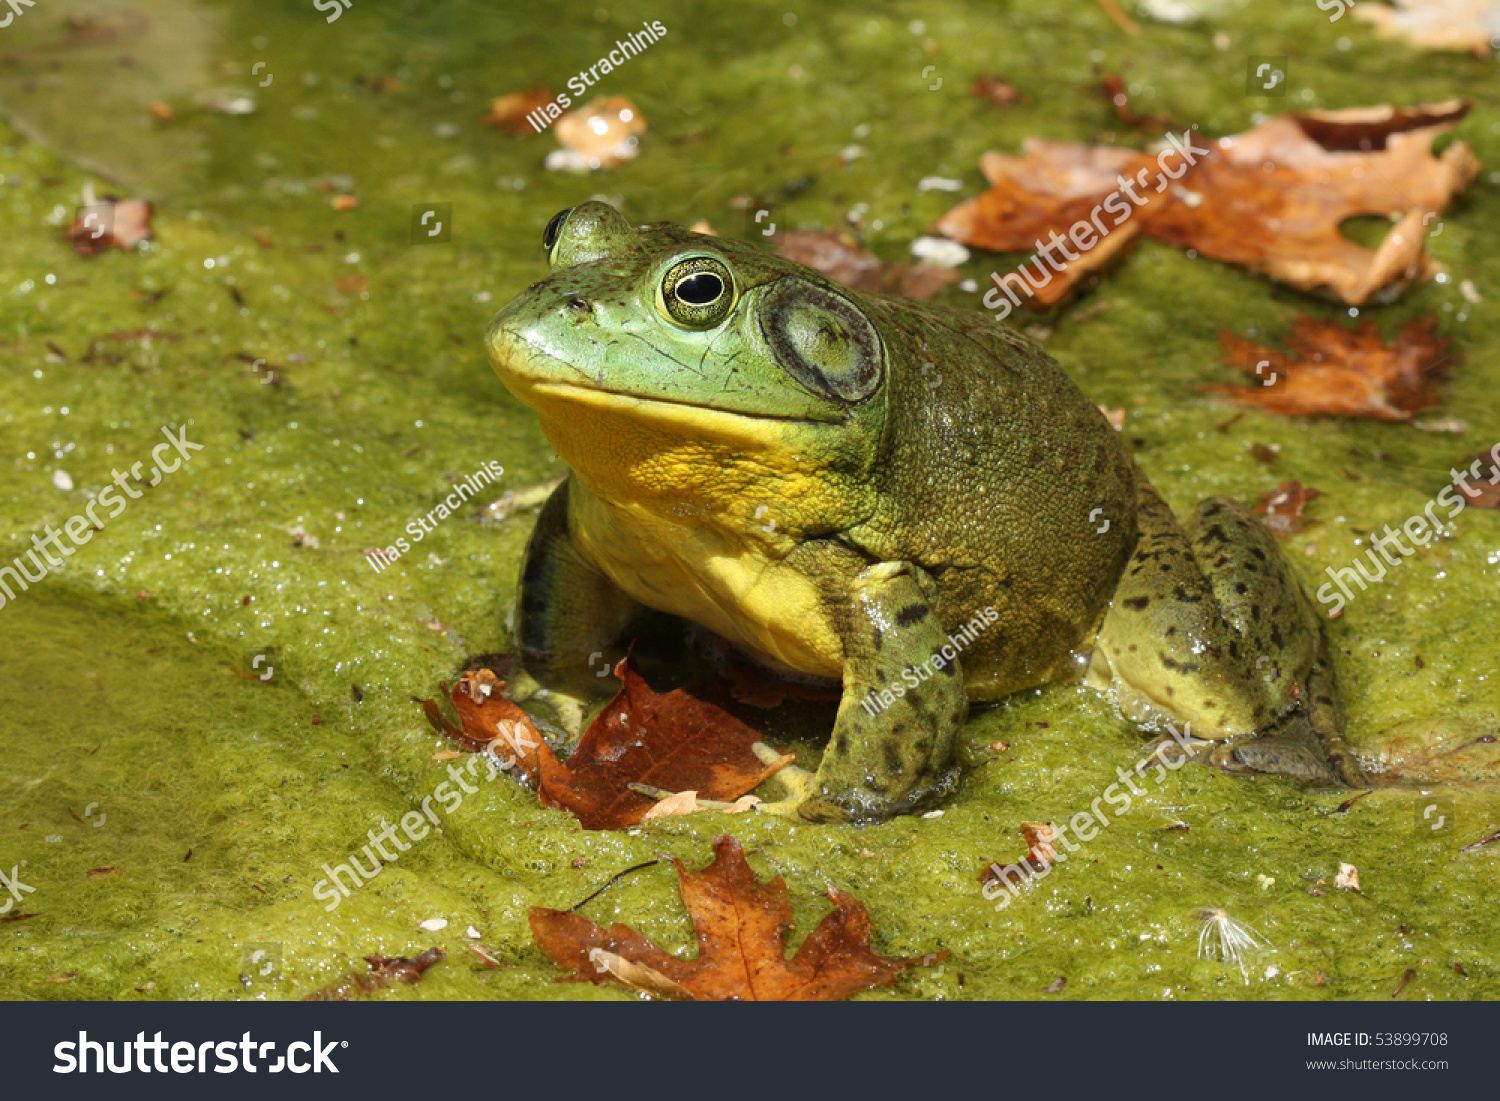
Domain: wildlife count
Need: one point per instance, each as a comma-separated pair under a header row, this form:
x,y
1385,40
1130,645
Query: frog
x,y
904,499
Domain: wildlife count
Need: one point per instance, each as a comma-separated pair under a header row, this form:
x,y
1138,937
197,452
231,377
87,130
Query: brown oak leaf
x,y
1271,199
840,258
742,925
1333,371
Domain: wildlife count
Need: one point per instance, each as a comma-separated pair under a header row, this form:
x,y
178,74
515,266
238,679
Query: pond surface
x,y
173,818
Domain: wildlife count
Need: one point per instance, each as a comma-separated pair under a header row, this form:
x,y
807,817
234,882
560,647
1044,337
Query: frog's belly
x,y
720,580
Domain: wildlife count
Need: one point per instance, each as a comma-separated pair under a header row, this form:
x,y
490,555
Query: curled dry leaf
x,y
1435,24
1333,371
600,134
1282,507
509,111
837,257
742,926
384,971
1039,854
110,223
684,740
1271,199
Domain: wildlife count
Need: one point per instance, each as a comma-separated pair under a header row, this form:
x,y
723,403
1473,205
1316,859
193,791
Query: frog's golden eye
x,y
698,293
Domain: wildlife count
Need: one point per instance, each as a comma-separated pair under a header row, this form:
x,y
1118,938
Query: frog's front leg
x,y
1210,626
569,616
892,747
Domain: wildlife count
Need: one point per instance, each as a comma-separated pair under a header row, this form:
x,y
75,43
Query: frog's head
x,y
653,354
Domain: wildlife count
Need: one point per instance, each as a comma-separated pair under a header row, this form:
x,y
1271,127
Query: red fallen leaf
x,y
1039,852
1334,371
1481,490
684,740
384,971
509,111
1282,507
742,925
840,258
110,223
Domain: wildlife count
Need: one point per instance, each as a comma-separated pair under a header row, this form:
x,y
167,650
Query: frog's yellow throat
x,y
701,464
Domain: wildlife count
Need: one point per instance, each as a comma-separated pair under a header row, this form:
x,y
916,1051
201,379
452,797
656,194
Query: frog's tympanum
x,y
906,498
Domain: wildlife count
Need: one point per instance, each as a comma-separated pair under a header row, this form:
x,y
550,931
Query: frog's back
x,y
1004,481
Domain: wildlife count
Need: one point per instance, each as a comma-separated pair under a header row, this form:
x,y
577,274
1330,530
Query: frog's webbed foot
x,y
1210,626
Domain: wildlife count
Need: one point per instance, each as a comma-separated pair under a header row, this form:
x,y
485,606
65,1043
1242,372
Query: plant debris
x,y
1333,371
742,924
1039,854
109,223
509,111
384,971
1434,24
1282,507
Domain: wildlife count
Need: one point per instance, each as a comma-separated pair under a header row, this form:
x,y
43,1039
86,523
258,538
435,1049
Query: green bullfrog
x,y
909,499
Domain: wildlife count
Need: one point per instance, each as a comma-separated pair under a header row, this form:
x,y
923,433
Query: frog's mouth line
x,y
660,408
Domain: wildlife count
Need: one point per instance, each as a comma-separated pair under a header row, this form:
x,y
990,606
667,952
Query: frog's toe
x,y
804,800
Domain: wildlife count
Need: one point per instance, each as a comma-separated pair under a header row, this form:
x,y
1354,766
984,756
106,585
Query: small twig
x,y
1121,20
613,880
1482,841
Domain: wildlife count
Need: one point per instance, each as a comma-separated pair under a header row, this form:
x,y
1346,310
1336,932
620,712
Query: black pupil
x,y
549,235
700,288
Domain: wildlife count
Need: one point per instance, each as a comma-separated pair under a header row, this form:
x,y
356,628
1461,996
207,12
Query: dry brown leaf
x,y
1271,199
838,257
998,90
1334,371
110,223
1481,490
490,722
1282,507
1434,24
1050,188
742,924
1039,853
509,111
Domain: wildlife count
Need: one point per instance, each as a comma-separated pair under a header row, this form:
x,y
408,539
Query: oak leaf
x,y
742,925
1333,371
683,740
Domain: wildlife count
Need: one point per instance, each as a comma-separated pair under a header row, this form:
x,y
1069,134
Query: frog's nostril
x,y
581,304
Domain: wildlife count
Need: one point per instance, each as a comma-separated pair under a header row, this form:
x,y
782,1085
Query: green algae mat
x,y
205,709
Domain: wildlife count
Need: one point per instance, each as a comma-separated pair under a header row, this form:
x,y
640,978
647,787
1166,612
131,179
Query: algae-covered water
x,y
129,742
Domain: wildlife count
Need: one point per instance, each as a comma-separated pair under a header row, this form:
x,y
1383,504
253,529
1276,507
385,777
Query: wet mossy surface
x,y
130,743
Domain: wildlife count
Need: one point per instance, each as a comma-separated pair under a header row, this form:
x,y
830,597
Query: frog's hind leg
x,y
1209,626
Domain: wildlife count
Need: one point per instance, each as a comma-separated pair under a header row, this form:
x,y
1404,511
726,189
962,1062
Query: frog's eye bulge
x,y
822,341
549,235
697,293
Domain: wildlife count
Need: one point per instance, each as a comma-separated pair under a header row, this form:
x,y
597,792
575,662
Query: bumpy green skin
x,y
926,468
